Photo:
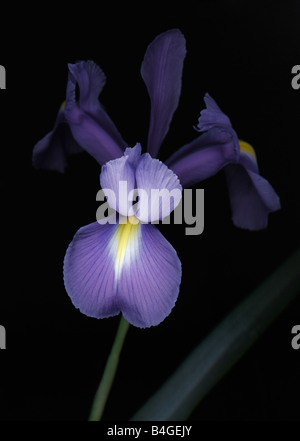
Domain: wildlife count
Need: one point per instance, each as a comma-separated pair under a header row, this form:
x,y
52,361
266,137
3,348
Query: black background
x,y
241,53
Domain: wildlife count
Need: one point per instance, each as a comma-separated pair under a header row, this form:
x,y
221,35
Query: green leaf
x,y
218,352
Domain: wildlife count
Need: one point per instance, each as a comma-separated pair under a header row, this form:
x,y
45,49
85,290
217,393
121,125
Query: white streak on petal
x,y
124,245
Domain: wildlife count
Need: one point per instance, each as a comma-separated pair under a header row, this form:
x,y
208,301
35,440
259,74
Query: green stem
x,y
109,373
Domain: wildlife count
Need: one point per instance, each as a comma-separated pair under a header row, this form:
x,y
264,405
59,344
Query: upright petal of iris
x,y
161,71
82,125
89,123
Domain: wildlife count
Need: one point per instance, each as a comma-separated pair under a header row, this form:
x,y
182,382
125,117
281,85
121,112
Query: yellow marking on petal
x,y
247,148
126,232
63,105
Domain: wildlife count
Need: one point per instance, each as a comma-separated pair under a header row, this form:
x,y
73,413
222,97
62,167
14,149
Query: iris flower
x,y
252,197
129,267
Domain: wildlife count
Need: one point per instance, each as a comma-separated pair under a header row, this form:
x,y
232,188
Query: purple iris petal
x,y
158,187
85,121
203,157
149,287
161,71
51,152
134,155
248,157
89,271
91,80
108,269
212,116
118,176
252,198
87,131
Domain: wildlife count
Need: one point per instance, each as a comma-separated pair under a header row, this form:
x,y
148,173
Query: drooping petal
x,y
129,267
91,80
203,157
52,151
89,273
161,71
248,157
212,116
117,180
159,189
149,283
87,131
252,197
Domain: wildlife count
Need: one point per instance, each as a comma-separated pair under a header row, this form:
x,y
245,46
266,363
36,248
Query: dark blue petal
x,y
161,70
91,80
212,116
252,198
52,151
85,121
203,157
87,130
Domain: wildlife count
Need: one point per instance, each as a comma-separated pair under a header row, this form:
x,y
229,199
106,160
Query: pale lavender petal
x,y
87,131
117,180
91,80
252,198
127,268
203,157
89,273
159,189
134,155
148,288
161,71
212,116
52,151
